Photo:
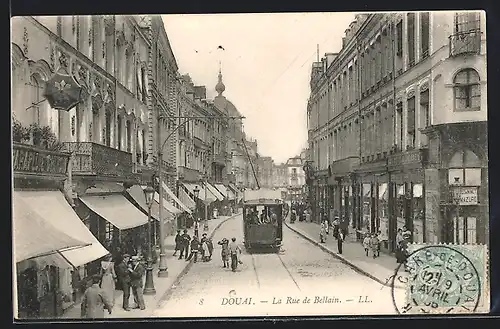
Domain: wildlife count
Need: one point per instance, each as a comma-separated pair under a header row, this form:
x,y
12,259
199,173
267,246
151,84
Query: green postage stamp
x,y
445,279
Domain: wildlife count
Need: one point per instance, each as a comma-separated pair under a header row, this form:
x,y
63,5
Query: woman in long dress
x,y
108,278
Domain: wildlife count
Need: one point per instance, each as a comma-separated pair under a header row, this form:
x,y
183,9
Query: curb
x,y
188,266
356,268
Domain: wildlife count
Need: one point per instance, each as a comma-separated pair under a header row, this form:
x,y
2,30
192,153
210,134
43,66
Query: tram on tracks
x,y
263,219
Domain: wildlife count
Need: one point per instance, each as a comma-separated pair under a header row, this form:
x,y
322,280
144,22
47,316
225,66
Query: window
x,y
424,34
464,230
425,109
411,39
411,123
109,232
399,115
467,92
466,22
464,169
399,37
36,90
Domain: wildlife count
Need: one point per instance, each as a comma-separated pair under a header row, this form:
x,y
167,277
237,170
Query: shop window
x,y
464,230
400,206
367,196
418,213
383,211
467,90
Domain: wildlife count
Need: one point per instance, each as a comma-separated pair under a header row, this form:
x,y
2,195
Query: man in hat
x,y
137,272
95,301
122,271
185,239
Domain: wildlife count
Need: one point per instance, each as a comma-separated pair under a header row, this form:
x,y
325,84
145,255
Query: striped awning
x,y
137,193
202,196
211,189
174,197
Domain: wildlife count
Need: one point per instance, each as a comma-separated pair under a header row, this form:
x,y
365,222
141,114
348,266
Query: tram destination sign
x,y
466,196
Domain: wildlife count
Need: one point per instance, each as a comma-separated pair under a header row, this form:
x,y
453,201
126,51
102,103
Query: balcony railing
x,y
99,160
465,43
32,160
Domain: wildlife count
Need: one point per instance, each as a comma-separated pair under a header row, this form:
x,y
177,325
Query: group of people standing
x,y
100,296
189,247
338,232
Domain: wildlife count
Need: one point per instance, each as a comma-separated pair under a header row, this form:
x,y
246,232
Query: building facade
x,y
397,127
280,175
295,178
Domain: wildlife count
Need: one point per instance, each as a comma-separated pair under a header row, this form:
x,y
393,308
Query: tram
x,y
263,219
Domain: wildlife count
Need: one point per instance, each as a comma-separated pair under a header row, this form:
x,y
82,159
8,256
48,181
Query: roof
x,y
262,195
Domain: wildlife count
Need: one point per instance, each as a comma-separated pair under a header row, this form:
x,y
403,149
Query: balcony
x,y
188,174
31,161
464,43
92,159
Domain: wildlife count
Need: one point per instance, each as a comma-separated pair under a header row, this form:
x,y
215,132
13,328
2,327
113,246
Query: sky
x,y
266,67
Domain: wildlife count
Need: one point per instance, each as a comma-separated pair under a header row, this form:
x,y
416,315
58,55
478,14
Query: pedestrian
x,y
205,252
195,246
225,251
137,271
234,251
323,231
94,301
340,241
406,234
366,243
185,244
336,226
374,245
108,278
308,216
210,246
178,242
124,279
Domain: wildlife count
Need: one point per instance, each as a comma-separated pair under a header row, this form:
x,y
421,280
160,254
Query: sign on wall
x,y
467,196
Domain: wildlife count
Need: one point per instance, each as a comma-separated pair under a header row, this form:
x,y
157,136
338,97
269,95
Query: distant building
x,y
295,178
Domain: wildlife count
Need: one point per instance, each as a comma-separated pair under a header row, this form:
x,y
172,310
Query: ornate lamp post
x,y
149,287
196,192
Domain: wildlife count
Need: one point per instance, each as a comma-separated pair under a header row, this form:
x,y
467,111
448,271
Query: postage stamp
x,y
444,279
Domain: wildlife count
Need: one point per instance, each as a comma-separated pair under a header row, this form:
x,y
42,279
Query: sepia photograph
x,y
249,165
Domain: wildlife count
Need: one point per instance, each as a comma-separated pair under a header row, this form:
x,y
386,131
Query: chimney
x,y
330,57
343,42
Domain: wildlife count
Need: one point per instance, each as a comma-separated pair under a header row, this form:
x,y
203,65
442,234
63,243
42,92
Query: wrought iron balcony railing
x,y
99,160
465,43
31,160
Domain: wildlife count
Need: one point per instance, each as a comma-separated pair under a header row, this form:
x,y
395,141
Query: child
x,y
374,244
195,245
225,251
366,243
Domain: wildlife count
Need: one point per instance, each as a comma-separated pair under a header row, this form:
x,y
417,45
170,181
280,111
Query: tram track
x,y
269,258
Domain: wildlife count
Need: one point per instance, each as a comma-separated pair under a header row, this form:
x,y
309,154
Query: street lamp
x,y
196,192
149,287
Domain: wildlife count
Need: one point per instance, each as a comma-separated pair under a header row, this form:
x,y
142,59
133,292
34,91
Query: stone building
x,y
280,175
397,127
295,178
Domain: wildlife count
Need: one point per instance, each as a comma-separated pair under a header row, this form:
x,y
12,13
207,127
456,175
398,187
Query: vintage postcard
x,y
227,165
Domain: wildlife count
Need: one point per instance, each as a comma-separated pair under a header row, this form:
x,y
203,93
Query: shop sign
x,y
467,196
62,91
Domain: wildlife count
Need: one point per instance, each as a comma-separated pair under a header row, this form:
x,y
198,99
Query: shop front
x,y
407,171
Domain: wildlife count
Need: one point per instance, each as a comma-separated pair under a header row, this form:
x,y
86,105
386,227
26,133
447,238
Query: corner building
x,y
397,128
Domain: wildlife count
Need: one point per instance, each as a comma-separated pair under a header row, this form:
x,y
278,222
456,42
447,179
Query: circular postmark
x,y
436,279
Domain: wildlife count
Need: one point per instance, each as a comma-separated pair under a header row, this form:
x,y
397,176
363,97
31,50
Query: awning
x,y
211,189
208,198
167,205
34,235
222,190
137,193
186,199
117,210
174,197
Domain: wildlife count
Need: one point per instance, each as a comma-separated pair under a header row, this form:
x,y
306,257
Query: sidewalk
x,y
380,269
176,268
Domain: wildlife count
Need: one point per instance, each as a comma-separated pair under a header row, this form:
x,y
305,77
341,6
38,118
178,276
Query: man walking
x,y
195,246
124,279
95,301
178,242
234,251
137,271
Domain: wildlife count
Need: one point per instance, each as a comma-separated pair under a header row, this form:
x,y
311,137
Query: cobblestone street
x,y
300,270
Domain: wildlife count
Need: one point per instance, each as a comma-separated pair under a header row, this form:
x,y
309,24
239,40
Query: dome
x,y
220,85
